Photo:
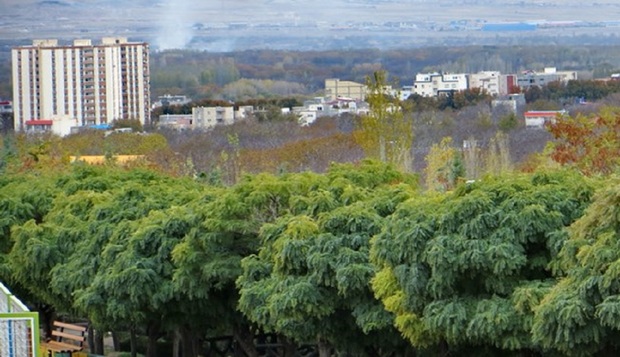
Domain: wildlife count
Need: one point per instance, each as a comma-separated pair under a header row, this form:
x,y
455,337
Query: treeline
x,y
357,261
263,73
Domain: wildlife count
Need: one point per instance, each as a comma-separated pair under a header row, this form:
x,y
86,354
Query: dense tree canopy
x,y
310,279
463,272
579,316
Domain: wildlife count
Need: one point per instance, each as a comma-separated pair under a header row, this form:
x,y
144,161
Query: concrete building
x,y
550,74
203,118
335,88
208,117
434,84
487,81
80,84
508,84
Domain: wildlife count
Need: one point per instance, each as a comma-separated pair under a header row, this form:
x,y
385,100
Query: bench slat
x,y
61,347
70,326
70,336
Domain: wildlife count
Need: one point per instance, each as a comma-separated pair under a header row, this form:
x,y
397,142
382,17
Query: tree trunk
x,y
133,342
90,339
153,334
176,342
289,348
98,342
444,349
116,342
245,340
325,350
48,315
189,342
372,352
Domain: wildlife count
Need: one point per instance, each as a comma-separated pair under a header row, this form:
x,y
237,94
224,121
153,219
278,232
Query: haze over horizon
x,y
172,24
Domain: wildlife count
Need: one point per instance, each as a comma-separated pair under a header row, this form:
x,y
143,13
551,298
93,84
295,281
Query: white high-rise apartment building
x,y
60,87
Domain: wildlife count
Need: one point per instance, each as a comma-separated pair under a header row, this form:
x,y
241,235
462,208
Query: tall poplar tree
x,y
386,133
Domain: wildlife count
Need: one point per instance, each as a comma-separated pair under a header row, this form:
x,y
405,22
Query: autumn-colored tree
x,y
589,143
498,154
444,166
386,133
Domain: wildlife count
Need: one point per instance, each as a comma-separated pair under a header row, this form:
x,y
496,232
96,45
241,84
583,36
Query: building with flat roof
x,y
529,79
434,84
80,84
487,81
335,88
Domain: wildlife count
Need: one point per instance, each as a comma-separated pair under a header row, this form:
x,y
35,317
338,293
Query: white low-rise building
x,y
434,84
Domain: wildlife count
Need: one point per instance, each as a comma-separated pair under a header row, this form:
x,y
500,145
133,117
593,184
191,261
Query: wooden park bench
x,y
67,338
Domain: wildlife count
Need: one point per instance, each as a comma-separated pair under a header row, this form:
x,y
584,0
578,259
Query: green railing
x,y
19,327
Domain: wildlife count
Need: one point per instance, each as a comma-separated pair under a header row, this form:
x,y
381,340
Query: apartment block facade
x,y
63,87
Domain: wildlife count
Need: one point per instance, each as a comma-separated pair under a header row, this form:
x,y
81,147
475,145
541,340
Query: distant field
x,y
149,20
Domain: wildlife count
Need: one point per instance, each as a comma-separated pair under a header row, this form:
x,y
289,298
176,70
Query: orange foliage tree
x,y
589,143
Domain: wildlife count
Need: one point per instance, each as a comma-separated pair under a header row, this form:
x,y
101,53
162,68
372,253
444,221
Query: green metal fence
x,y
19,327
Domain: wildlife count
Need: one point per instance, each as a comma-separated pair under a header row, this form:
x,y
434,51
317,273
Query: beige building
x,y
335,88
80,84
208,117
487,81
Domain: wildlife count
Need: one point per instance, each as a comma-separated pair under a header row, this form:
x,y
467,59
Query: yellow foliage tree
x,y
385,133
443,166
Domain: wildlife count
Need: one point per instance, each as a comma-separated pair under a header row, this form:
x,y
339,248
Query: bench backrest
x,y
69,333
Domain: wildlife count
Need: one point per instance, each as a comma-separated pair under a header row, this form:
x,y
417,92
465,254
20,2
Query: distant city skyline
x,y
220,24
